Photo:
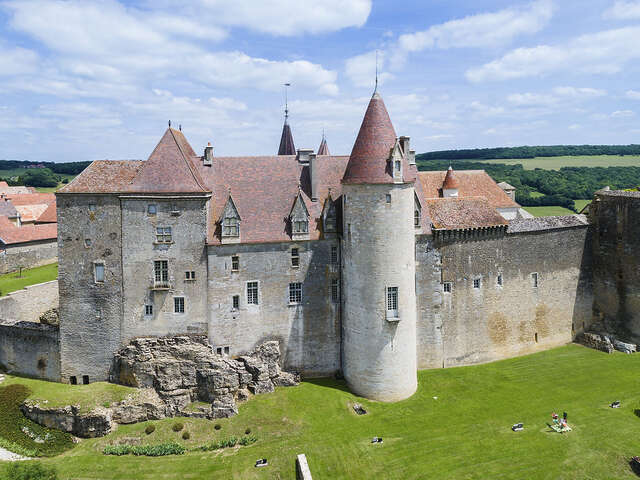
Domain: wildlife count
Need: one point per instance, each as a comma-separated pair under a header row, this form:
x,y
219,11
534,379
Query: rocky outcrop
x,y
50,317
605,343
146,405
184,369
96,423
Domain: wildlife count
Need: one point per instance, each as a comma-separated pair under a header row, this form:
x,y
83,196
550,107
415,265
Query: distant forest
x,y
530,152
69,168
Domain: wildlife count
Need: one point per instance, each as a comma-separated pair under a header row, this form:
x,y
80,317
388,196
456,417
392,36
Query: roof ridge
x,y
196,176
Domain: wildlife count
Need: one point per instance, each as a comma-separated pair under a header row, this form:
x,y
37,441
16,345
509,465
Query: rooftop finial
x,y
180,127
286,101
376,87
169,123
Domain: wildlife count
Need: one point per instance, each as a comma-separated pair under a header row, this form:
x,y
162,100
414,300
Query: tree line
x,y
70,168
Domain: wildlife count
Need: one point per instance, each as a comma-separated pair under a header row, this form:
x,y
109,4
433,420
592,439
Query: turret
x,y
379,311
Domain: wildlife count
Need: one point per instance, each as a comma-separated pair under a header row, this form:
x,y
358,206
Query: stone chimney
x,y
314,176
303,155
208,155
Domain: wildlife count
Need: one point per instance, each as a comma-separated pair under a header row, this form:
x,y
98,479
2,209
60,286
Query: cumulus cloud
x,y
603,52
16,61
481,30
633,94
623,10
558,95
622,114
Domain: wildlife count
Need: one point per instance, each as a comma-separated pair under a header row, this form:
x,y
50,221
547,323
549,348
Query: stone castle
x,y
359,264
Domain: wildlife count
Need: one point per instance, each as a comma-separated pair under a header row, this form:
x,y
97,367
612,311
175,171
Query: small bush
x,y
31,471
247,431
228,443
150,429
186,435
217,426
177,427
159,450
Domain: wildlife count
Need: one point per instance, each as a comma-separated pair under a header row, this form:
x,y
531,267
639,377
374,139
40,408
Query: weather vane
x,y
286,100
376,88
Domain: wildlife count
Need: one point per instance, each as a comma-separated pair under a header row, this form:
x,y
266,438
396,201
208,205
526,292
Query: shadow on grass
x,y
329,383
635,466
637,412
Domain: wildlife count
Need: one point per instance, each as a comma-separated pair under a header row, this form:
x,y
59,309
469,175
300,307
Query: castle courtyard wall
x,y
308,333
28,255
616,243
90,312
187,218
474,325
27,304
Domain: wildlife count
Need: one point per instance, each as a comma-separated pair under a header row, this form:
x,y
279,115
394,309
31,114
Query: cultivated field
x,y
457,426
551,211
555,163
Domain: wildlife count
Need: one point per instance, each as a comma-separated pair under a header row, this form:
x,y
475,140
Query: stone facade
x,y
28,255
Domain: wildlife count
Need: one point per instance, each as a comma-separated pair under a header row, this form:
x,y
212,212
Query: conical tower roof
x,y
169,168
450,180
323,149
286,140
368,162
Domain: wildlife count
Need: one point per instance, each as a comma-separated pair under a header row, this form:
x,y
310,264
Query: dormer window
x,y
230,222
299,218
396,161
329,216
301,226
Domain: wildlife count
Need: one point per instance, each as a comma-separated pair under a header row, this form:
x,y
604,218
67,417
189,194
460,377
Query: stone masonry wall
x,y
90,312
185,253
28,255
31,349
616,242
309,333
473,325
29,303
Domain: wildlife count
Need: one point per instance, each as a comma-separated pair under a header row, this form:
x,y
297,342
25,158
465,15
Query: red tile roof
x,y
11,235
49,215
105,176
170,168
471,183
32,198
286,141
450,180
264,189
462,213
368,162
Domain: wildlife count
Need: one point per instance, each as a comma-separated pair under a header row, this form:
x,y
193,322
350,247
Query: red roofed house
x,y
357,263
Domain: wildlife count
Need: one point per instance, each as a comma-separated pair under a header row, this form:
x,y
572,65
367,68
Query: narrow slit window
x,y
392,302
235,263
500,281
295,293
416,218
534,280
252,293
335,290
235,301
295,257
334,255
388,198
178,304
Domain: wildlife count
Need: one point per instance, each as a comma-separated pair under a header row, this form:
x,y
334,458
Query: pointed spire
x,y
287,146
323,149
450,180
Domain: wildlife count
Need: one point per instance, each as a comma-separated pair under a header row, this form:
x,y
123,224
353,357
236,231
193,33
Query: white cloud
x,y
17,61
622,114
579,93
531,99
633,94
481,30
558,95
361,69
575,126
603,52
622,10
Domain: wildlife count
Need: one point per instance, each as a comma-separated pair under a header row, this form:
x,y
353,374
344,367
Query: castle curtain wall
x,y
474,325
309,333
28,255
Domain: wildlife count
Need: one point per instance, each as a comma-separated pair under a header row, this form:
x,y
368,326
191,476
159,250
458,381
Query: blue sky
x,y
86,79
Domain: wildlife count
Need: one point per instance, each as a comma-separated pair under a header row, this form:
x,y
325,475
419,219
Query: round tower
x,y
378,271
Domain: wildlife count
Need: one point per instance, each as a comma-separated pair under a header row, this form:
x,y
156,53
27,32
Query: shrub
x,y
228,443
247,431
160,450
150,429
217,426
177,427
186,435
30,471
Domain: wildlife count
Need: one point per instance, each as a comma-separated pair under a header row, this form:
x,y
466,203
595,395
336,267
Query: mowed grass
x,y
548,211
555,163
457,426
10,282
580,204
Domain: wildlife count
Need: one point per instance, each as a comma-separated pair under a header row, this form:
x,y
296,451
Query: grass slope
x,y
463,434
10,282
555,163
548,211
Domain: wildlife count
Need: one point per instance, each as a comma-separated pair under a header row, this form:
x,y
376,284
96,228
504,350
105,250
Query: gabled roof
x,y
454,213
105,176
286,141
5,189
368,162
170,168
323,149
11,235
7,209
230,210
471,183
299,205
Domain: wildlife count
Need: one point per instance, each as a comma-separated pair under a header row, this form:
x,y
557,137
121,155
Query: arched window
x,y
416,218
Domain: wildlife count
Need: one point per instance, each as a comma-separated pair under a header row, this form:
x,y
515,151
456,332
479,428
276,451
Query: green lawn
x,y
580,204
10,282
548,211
555,163
464,433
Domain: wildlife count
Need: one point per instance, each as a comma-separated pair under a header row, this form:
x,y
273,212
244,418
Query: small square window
x,y
230,227
178,304
235,263
476,283
226,350
295,257
219,350
499,280
85,379
163,235
73,380
335,290
92,207
152,209
236,302
446,287
87,242
148,310
98,272
334,255
534,280
388,198
190,275
295,293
